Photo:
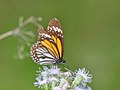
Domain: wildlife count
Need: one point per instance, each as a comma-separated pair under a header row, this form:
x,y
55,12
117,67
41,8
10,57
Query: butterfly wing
x,y
47,41
49,47
42,52
54,29
41,55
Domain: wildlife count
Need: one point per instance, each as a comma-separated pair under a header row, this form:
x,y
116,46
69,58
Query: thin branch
x,y
7,34
34,20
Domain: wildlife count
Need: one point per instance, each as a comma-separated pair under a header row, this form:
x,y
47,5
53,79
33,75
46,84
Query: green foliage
x,y
92,39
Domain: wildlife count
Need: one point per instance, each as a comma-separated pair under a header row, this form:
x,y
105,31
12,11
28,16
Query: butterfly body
x,y
49,48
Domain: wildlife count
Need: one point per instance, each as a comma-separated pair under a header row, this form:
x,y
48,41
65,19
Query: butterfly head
x,y
62,61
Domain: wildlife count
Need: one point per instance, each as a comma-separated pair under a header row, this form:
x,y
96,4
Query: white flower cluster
x,y
54,79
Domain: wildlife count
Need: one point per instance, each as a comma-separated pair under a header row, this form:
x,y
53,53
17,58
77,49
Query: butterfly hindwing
x,y
41,54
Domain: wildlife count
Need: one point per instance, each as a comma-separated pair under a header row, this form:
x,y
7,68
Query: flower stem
x,y
7,34
77,80
53,84
45,87
21,24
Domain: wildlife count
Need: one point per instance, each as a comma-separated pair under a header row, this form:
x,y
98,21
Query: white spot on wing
x,y
46,62
45,59
48,55
57,29
54,28
46,35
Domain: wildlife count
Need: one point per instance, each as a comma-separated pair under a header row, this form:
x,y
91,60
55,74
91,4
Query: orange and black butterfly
x,y
50,45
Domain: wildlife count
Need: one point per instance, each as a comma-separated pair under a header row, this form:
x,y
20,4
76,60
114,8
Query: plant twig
x,y
34,20
7,34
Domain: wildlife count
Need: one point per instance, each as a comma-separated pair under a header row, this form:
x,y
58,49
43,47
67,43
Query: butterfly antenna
x,y
65,66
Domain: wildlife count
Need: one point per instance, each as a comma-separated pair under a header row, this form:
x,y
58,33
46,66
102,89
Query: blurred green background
x,y
91,33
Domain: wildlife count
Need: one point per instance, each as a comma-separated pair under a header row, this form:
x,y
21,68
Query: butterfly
x,y
49,48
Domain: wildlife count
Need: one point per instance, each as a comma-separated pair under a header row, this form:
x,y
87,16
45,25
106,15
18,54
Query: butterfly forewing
x,y
49,47
54,28
47,41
